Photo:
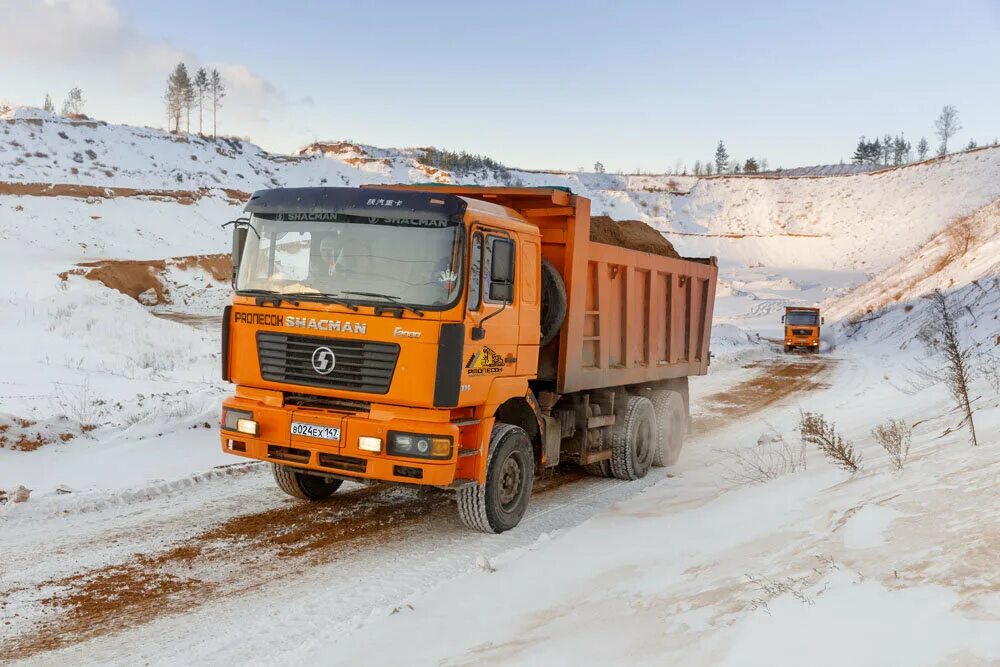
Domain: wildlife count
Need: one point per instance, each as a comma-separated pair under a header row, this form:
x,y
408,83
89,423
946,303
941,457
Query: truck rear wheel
x,y
302,485
499,504
634,440
671,426
599,469
553,303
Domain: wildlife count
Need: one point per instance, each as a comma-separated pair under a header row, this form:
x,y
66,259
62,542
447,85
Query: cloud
x,y
57,30
66,33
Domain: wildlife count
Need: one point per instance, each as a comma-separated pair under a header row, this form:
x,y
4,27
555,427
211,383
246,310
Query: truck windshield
x,y
392,261
801,317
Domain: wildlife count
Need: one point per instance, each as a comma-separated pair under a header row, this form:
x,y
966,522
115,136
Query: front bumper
x,y
343,458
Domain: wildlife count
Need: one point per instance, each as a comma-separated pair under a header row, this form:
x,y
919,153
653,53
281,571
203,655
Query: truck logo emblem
x,y
323,360
485,361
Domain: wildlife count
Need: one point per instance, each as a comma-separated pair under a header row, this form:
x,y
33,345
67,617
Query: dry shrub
x,y
958,238
768,460
894,438
816,430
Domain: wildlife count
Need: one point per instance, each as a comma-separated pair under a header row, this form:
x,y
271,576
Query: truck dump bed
x,y
632,317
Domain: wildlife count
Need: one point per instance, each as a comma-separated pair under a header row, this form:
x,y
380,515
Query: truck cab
x,y
802,328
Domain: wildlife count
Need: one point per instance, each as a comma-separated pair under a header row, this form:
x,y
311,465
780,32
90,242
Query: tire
x,y
553,303
499,505
599,469
634,440
671,426
302,485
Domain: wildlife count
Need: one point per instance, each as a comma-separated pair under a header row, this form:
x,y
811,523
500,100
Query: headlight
x,y
419,445
240,421
369,443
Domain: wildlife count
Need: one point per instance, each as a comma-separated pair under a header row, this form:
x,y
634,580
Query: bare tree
x,y
947,126
216,91
956,373
894,437
599,168
816,430
697,167
201,89
74,103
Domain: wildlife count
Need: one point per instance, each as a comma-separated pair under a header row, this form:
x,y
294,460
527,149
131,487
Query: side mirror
x,y
239,241
782,319
822,320
503,292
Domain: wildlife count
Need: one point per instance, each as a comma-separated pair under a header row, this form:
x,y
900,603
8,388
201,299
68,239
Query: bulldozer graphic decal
x,y
485,361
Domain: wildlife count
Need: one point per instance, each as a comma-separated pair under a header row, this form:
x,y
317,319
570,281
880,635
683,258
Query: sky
x,y
635,85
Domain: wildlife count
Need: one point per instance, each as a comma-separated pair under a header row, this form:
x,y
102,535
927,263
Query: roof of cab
x,y
368,202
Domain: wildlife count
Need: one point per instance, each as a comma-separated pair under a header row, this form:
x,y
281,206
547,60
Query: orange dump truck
x,y
465,338
802,326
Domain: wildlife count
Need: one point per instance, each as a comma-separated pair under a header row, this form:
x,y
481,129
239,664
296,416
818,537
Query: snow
x,y
684,567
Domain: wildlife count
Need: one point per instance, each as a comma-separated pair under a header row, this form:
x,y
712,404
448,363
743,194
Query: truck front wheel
x,y
671,426
302,485
634,440
499,504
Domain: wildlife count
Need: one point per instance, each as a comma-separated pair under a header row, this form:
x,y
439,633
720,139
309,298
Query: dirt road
x,y
188,558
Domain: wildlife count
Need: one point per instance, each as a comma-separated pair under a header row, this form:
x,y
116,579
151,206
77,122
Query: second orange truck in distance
x,y
465,338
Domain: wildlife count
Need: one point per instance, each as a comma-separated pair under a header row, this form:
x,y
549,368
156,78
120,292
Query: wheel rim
x,y
511,476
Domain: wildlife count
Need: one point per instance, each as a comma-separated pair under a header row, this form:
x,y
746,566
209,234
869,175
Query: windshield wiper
x,y
266,296
322,296
394,301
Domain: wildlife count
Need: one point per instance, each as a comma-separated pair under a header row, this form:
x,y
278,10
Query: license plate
x,y
314,431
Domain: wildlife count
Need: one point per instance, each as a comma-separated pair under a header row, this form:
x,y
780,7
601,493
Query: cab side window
x,y
499,270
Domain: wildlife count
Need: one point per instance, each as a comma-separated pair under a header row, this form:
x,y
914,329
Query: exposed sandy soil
x,y
186,197
777,380
136,276
632,234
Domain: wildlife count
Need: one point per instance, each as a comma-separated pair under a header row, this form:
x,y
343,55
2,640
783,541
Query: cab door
x,y
492,332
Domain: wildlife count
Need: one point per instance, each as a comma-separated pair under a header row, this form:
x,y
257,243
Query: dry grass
x,y
816,430
894,437
768,460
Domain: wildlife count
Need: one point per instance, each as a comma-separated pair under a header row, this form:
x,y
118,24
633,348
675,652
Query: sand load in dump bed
x,y
631,234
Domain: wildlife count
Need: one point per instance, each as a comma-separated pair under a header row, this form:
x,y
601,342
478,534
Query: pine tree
x,y
751,166
201,89
178,87
721,158
74,103
972,144
861,152
922,149
216,91
48,104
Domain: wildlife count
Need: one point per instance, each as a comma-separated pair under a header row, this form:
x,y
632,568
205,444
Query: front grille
x,y
338,462
327,403
288,454
361,365
802,332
